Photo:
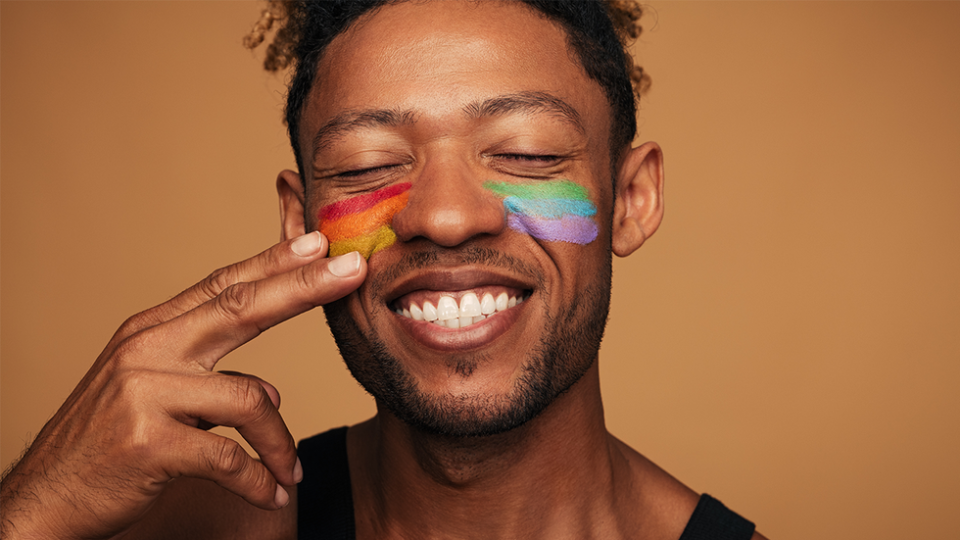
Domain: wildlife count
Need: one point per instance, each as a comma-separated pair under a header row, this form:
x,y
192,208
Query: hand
x,y
134,421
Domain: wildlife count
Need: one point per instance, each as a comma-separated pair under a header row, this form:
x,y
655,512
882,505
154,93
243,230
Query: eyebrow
x,y
517,103
352,120
526,103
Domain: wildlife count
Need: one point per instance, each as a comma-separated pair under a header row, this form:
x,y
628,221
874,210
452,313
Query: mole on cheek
x,y
555,211
363,223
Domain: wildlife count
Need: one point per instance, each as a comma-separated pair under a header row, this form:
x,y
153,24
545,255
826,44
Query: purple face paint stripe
x,y
573,229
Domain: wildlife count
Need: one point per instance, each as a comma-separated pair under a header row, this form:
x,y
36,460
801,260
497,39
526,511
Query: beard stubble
x,y
567,348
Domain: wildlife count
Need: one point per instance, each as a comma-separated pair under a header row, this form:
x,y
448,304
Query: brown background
x,y
787,342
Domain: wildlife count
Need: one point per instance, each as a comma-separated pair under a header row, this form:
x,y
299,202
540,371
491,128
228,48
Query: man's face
x,y
447,108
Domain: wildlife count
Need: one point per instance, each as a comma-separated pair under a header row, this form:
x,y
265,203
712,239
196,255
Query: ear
x,y
638,208
290,191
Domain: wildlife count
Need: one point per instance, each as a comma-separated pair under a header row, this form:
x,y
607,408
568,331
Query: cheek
x,y
362,223
554,211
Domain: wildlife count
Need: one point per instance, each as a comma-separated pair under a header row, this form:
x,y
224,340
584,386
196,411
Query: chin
x,y
567,348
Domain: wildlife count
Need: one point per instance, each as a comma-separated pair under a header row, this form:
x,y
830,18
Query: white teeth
x,y
471,310
469,306
502,302
429,312
488,305
447,308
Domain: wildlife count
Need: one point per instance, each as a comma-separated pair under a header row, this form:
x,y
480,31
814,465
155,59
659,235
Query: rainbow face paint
x,y
363,223
556,210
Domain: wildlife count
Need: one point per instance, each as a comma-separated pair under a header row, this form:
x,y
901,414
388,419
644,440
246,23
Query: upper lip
x,y
453,279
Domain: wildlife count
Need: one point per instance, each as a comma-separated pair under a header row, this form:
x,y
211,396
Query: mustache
x,y
429,256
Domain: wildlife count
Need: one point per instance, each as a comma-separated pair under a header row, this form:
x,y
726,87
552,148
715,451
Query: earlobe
x,y
292,203
638,208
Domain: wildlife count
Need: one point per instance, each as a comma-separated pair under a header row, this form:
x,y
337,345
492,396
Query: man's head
x,y
467,153
596,36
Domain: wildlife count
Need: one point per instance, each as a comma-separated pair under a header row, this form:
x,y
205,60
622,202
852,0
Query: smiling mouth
x,y
458,309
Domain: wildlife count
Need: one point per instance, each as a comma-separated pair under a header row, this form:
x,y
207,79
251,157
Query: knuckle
x,y
252,398
235,301
135,427
134,324
307,277
217,281
139,441
274,259
132,385
229,457
131,349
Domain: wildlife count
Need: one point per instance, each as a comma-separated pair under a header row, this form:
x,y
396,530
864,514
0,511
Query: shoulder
x,y
668,506
662,505
196,508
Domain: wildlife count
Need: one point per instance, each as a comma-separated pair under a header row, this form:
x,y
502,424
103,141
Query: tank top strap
x,y
711,520
324,497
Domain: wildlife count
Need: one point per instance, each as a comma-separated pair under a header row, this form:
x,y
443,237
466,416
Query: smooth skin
x,y
104,464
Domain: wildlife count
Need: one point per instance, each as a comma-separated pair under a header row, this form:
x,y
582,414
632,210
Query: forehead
x,y
435,58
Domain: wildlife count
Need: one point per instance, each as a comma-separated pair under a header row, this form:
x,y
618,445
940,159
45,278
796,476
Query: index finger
x,y
278,259
244,310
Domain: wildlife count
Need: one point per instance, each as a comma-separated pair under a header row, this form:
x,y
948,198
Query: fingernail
x,y
281,499
307,244
298,472
345,265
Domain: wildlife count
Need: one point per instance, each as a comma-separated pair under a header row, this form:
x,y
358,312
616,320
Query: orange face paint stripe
x,y
365,222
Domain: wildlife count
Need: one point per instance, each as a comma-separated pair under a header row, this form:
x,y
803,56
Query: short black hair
x,y
310,27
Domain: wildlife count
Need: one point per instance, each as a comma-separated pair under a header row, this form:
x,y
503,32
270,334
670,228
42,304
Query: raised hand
x,y
134,421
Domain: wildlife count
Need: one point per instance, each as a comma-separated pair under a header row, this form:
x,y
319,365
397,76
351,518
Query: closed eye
x,y
362,172
540,159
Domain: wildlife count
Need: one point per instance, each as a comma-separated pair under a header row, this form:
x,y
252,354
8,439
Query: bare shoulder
x,y
663,503
196,508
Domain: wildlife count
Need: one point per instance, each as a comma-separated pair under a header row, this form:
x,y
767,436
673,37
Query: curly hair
x,y
599,32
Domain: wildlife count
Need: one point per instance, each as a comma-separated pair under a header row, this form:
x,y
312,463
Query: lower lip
x,y
477,335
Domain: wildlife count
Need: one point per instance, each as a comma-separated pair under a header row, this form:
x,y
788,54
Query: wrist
x,y
25,515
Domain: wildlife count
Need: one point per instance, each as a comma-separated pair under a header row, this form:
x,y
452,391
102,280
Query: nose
x,y
448,206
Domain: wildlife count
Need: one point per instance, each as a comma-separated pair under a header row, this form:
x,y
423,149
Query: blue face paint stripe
x,y
549,208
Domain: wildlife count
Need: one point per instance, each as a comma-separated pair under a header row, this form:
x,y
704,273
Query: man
x,y
470,167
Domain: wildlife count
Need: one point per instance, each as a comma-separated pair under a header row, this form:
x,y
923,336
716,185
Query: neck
x,y
555,470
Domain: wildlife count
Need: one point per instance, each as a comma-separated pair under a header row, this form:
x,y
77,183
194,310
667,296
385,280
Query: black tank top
x,y
325,500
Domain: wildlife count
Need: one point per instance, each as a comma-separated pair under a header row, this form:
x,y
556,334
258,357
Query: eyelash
x,y
538,159
530,157
362,172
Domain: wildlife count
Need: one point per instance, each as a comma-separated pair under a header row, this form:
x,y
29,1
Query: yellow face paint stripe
x,y
366,244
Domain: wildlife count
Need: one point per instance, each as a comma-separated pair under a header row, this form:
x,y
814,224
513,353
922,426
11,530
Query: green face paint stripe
x,y
558,189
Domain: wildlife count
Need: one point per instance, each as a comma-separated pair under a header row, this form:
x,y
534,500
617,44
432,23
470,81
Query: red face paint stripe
x,y
364,222
360,203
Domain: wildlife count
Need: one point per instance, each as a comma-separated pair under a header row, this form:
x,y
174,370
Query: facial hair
x,y
568,346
